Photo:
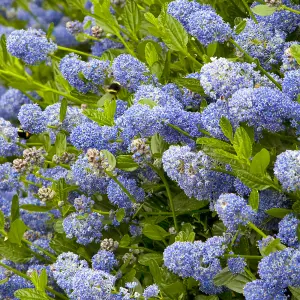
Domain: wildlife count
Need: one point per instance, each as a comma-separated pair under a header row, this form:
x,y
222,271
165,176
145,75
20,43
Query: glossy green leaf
x,y
132,17
15,210
278,212
260,162
226,128
254,199
155,232
264,10
126,163
242,143
63,109
16,231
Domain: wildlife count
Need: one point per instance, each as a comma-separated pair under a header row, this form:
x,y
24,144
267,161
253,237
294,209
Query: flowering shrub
x,y
149,149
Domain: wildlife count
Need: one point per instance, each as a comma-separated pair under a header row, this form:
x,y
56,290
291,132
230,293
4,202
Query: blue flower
x,y
130,72
8,139
104,260
32,118
85,228
287,170
208,27
263,42
233,211
288,230
105,44
96,71
30,45
151,291
236,265
290,84
9,178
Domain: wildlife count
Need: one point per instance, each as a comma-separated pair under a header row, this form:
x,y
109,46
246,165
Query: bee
x,y
111,93
23,134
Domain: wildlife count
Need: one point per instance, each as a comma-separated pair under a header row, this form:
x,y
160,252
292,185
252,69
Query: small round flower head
x,y
71,66
46,194
183,9
130,72
173,90
287,170
151,291
233,211
222,77
208,27
32,45
261,41
32,119
104,261
63,37
191,170
9,178
74,27
281,268
249,105
8,139
241,189
85,228
290,84
138,120
87,178
189,122
259,289
91,284
109,245
270,199
65,267
210,118
96,70
73,118
135,230
83,204
117,197
281,19
196,260
288,230
236,265
10,103
155,94
105,44
141,152
289,63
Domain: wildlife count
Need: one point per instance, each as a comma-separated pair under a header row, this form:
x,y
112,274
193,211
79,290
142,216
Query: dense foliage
x,y
149,149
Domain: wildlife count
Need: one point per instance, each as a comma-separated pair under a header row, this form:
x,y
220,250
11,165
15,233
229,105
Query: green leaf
x,y
215,143
111,159
16,231
120,214
60,243
191,84
187,234
4,280
278,212
240,27
125,241
4,49
254,199
145,259
30,294
126,163
226,128
151,54
43,280
238,283
264,10
158,145
242,143
224,277
148,102
296,206
155,271
298,232
254,181
60,144
273,246
182,203
36,208
211,49
174,35
202,297
58,226
174,290
63,109
50,30
295,51
104,98
132,17
99,117
46,141
15,210
295,292
260,162
14,252
155,232
2,220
